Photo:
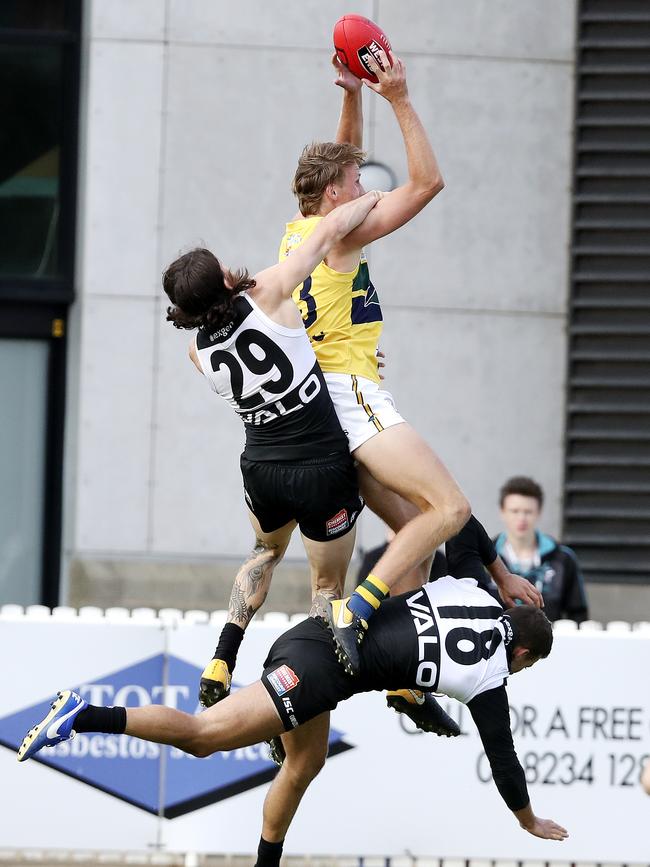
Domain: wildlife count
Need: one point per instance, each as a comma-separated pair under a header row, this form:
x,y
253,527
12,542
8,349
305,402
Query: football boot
x,y
57,726
424,711
215,683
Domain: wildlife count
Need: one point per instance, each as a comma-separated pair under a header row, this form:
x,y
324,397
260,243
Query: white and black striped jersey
x,y
269,374
468,655
449,636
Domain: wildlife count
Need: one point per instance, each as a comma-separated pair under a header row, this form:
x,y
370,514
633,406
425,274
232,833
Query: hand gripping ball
x,y
355,37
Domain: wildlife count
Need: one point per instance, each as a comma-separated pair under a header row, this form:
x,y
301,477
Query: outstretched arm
x,y
490,712
350,128
424,180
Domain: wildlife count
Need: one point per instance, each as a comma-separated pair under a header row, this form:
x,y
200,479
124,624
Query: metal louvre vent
x,y
607,478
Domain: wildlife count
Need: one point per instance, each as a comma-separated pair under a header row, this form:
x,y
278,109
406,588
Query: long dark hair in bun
x,y
201,291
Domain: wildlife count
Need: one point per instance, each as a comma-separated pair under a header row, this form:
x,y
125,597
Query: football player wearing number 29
x,y
252,347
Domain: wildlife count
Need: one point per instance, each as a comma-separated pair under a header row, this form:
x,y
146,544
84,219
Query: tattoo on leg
x,y
319,603
252,583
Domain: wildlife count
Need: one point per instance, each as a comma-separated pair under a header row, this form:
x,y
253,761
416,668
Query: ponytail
x,y
202,292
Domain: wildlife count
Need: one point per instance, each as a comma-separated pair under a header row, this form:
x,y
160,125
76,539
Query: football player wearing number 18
x,y
254,352
449,636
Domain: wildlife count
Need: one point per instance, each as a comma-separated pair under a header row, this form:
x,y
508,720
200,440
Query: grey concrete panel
x,y
496,28
114,442
119,210
487,393
629,602
124,19
294,23
497,236
184,585
232,145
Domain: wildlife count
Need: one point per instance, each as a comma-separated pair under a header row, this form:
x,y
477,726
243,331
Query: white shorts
x,y
364,409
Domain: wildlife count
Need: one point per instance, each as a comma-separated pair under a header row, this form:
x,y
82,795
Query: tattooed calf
x,y
252,583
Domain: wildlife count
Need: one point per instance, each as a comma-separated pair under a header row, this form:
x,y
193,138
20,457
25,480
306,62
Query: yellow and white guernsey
x,y
340,311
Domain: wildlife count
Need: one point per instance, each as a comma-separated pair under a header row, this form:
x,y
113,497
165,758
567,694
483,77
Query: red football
x,y
355,37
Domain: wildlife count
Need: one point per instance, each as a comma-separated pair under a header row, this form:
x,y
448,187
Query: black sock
x,y
269,854
231,637
110,720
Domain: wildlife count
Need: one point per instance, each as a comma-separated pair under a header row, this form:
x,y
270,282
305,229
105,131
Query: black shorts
x,y
321,494
302,674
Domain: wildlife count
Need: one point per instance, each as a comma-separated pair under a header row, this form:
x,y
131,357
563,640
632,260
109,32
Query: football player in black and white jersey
x,y
449,636
253,350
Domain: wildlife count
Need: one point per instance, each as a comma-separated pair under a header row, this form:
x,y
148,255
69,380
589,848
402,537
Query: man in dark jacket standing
x,y
550,566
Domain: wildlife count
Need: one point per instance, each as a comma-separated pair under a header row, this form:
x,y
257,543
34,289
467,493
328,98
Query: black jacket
x,y
558,577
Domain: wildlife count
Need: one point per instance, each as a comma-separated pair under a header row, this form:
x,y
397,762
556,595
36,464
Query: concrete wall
x,y
194,114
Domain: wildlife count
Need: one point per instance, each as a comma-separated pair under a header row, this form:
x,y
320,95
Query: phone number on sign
x,y
566,768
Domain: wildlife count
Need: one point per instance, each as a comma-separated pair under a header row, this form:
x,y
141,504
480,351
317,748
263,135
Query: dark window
x,y
39,83
34,14
30,158
39,103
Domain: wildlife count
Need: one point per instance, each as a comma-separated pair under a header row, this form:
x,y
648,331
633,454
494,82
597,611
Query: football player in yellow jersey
x,y
402,479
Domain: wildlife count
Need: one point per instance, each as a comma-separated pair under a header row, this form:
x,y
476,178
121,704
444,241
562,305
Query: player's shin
x,y
108,720
269,854
368,596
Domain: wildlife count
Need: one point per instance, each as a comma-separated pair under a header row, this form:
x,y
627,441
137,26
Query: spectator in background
x,y
550,566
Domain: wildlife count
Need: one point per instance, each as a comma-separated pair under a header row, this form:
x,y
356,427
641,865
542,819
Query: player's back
x,y
447,637
269,374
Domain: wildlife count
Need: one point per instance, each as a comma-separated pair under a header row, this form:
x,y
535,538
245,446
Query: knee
x,y
266,557
201,743
200,748
454,511
302,772
457,512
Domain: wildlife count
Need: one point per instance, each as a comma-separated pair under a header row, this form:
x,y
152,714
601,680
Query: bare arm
x,y
425,179
350,128
284,277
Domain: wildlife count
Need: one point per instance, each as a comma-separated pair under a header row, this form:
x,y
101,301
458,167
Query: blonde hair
x,y
321,164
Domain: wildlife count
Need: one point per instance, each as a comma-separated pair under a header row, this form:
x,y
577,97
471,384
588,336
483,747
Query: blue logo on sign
x,y
161,780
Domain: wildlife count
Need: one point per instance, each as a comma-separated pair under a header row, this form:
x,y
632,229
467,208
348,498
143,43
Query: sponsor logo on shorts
x,y
339,522
282,680
290,711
